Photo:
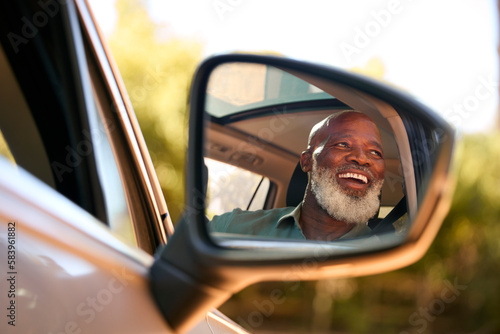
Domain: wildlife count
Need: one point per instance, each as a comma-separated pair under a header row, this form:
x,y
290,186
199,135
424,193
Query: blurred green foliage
x,y
157,72
453,289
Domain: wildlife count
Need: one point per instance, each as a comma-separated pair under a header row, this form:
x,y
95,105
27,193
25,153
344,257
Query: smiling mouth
x,y
354,176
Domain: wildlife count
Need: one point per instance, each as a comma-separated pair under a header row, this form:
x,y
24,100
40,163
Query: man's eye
x,y
342,145
377,153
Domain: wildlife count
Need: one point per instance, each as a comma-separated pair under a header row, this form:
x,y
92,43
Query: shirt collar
x,y
357,231
294,214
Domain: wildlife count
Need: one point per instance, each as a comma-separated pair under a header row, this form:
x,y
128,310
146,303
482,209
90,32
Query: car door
x,y
81,209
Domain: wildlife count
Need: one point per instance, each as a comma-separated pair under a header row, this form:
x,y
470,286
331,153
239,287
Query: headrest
x,y
296,187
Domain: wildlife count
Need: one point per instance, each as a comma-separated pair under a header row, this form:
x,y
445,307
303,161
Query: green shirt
x,y
274,223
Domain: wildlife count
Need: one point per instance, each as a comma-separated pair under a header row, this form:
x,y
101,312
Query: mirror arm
x,y
178,286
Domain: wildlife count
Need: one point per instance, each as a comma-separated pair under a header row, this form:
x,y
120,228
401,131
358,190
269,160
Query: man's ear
x,y
306,161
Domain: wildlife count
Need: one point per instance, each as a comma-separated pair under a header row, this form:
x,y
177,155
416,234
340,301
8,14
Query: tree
x,y
157,73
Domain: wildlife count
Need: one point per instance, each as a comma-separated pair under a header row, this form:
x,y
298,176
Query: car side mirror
x,y
294,125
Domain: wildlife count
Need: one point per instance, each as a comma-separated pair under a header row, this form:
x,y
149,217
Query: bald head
x,y
320,132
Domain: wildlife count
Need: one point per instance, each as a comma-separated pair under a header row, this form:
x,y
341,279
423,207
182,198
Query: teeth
x,y
354,176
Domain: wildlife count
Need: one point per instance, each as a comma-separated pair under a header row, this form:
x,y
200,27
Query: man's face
x,y
348,168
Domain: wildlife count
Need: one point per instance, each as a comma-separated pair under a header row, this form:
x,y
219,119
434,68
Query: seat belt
x,y
385,225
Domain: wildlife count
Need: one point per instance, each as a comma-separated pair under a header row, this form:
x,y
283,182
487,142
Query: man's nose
x,y
358,156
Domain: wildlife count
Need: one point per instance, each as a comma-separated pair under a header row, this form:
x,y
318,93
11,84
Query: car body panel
x,y
70,272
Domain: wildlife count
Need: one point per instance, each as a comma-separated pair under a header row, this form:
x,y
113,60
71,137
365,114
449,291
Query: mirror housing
x,y
194,273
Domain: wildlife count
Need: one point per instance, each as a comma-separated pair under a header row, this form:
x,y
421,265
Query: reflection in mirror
x,y
292,156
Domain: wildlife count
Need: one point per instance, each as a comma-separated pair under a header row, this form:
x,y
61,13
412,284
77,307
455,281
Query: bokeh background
x,y
444,53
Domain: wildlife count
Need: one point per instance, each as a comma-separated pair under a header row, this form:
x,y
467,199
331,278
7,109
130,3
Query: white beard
x,y
337,202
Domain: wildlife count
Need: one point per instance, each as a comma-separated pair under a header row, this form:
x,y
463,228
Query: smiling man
x,y
345,166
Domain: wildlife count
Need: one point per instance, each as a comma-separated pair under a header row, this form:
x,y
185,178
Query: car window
x,y
230,187
119,219
28,156
46,133
260,195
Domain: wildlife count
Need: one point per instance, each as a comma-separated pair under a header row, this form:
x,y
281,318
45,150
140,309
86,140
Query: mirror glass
x,y
291,156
